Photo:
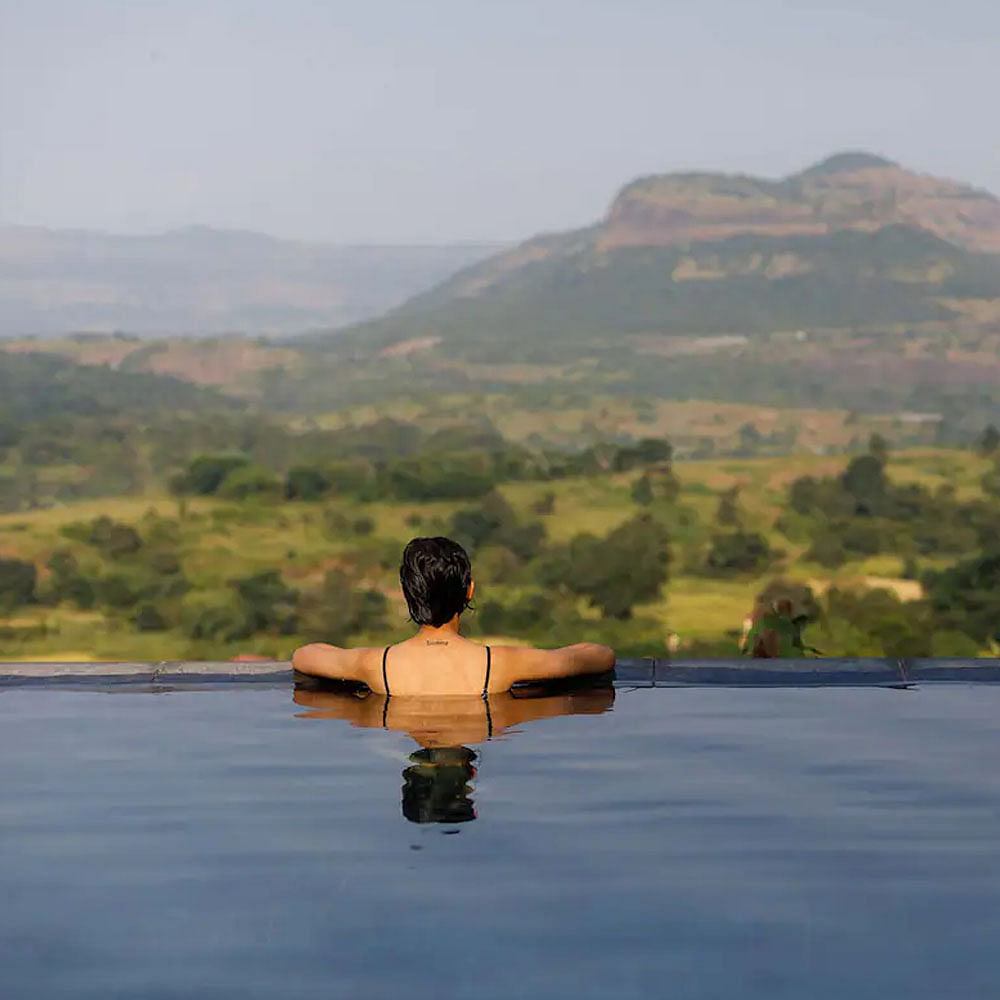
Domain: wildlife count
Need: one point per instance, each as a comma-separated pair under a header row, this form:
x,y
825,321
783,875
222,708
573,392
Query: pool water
x,y
686,843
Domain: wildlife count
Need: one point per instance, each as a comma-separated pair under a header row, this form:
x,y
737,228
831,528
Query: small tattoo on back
x,y
437,642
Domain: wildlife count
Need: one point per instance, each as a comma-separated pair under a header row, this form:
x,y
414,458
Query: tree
x,y
307,482
215,616
615,573
17,584
268,603
518,618
749,440
738,552
828,550
865,481
66,582
117,590
966,597
148,618
494,522
646,452
879,621
990,482
545,504
642,491
248,482
206,473
113,538
727,514
989,441
339,610
432,476
878,448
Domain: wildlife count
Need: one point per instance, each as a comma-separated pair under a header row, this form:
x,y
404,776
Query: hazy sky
x,y
441,120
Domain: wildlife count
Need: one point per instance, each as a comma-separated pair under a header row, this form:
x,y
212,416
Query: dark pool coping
x,y
629,673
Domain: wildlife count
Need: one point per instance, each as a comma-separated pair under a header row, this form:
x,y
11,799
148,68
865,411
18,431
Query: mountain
x,y
200,280
853,242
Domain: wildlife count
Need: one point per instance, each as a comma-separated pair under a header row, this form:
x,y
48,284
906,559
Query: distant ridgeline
x,y
855,285
202,281
854,241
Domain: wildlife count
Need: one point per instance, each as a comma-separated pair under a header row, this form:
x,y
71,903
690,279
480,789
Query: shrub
x,y
519,618
149,619
214,616
494,522
439,476
989,441
116,591
615,573
865,481
642,491
966,597
250,481
307,482
727,514
337,610
268,603
738,552
66,582
111,538
545,504
17,583
206,473
828,551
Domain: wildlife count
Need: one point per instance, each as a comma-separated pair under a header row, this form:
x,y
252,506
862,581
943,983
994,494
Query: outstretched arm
x,y
522,664
320,659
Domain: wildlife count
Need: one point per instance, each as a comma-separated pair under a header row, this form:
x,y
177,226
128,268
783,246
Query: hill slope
x,y
854,241
40,386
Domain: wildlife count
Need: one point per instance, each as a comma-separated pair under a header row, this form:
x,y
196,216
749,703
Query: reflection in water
x,y
437,783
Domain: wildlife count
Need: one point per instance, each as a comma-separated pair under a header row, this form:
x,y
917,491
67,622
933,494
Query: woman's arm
x,y
519,663
320,659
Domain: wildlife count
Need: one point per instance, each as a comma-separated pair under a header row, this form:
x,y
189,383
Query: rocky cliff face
x,y
911,229
847,191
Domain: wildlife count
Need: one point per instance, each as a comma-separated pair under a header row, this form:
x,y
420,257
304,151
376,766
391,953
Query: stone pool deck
x,y
629,673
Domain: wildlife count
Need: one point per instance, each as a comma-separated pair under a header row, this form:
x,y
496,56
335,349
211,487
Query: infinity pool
x,y
682,843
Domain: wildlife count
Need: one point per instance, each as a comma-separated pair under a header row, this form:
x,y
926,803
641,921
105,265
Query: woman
x,y
437,583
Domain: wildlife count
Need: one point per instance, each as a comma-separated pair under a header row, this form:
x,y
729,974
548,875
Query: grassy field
x,y
220,541
564,417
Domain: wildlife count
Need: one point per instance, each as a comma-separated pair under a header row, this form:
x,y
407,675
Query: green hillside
x,y
853,242
40,386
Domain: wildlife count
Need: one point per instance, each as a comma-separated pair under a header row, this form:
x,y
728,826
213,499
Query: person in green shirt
x,y
775,632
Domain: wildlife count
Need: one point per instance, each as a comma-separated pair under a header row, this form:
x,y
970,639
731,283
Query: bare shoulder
x,y
523,663
320,659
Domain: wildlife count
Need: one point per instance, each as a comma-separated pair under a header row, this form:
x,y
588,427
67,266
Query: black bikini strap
x,y
385,677
486,682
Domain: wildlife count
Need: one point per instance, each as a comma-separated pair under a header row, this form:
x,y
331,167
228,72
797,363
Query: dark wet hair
x,y
435,574
436,786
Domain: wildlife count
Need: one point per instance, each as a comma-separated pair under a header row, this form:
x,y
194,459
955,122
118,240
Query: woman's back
x,y
445,665
436,578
